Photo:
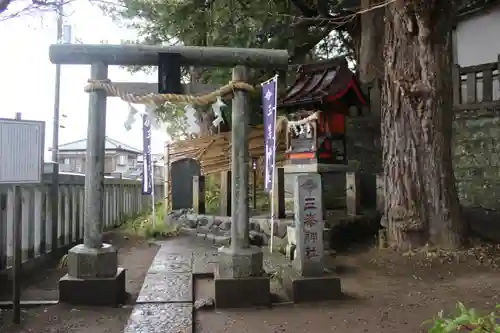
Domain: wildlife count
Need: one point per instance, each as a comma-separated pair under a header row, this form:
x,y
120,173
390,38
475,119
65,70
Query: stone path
x,y
165,302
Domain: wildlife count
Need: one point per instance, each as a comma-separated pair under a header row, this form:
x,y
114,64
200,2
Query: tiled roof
x,y
111,144
317,82
473,6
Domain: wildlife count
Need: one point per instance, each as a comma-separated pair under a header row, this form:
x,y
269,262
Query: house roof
x,y
111,144
473,7
323,82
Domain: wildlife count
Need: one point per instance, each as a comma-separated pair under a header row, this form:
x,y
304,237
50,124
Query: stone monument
x,y
307,280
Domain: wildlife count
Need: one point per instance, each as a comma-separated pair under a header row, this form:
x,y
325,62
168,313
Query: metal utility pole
x,y
57,88
54,188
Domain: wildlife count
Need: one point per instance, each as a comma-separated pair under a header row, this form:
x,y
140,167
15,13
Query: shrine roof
x,y
322,82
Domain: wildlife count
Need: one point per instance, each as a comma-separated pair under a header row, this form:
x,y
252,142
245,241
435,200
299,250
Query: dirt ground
x,y
135,254
386,292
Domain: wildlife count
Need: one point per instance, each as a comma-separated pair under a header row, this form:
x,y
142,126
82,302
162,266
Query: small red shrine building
x,y
317,105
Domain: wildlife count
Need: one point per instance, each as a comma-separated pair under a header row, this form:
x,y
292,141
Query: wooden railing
x,y
122,198
476,90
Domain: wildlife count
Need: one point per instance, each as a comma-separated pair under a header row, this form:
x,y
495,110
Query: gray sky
x,y
27,84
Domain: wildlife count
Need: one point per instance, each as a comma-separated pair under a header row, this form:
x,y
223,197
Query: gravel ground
x,y
135,254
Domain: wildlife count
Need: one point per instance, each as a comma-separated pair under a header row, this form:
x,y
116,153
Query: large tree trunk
x,y
421,202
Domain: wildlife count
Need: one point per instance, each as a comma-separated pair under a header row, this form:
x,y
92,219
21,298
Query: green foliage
x,y
212,194
143,225
263,202
175,119
246,23
466,320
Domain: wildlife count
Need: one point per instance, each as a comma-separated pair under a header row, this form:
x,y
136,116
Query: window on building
x,y
122,160
79,165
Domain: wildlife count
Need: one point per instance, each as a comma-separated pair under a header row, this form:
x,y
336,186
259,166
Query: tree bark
x,y
421,201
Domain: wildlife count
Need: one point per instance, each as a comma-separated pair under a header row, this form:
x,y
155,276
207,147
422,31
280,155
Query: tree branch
x,y
32,6
304,9
298,51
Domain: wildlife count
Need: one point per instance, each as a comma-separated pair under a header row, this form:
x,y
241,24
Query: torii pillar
x,y
94,277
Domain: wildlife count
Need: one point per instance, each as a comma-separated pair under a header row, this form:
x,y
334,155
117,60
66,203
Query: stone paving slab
x,y
165,262
161,318
166,287
203,262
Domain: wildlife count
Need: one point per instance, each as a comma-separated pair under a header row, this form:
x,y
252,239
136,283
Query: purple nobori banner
x,y
147,167
269,101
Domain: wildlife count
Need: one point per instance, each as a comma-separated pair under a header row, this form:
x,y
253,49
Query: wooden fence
x,y
476,89
122,198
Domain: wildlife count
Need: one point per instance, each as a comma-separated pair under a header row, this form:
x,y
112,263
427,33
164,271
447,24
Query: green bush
x,y
213,193
143,225
466,320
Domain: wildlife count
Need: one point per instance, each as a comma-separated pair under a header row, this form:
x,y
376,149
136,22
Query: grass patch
x,y
465,320
143,225
213,194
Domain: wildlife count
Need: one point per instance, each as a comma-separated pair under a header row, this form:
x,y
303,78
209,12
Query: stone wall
x,y
476,155
476,158
475,147
363,145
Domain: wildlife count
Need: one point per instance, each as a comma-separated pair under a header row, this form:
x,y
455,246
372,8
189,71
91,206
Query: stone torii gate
x,y
94,277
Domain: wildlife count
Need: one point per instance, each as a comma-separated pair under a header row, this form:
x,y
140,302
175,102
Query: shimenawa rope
x,y
160,99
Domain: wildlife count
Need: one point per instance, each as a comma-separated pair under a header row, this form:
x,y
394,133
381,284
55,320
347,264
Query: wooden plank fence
x,y
476,91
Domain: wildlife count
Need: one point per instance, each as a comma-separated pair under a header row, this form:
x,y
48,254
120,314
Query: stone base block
x,y
302,289
84,262
97,291
244,292
240,263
